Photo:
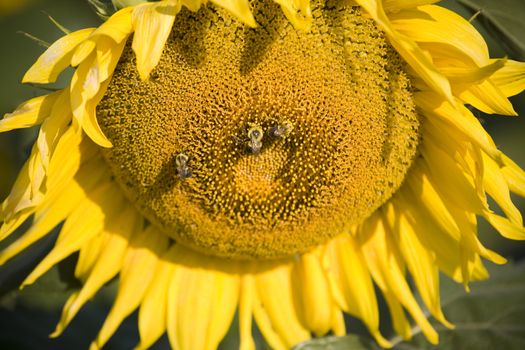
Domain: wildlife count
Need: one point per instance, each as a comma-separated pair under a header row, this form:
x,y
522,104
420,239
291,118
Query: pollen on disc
x,y
339,130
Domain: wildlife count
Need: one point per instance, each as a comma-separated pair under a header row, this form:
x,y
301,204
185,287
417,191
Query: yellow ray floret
x,y
386,267
116,237
351,283
154,308
136,274
203,300
56,58
316,295
421,262
511,78
152,23
405,45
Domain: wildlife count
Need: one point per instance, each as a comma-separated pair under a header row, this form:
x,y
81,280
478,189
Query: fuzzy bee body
x,y
255,134
282,130
181,163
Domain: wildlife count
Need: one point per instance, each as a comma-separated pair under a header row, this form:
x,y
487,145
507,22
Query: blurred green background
x,y
27,318
18,19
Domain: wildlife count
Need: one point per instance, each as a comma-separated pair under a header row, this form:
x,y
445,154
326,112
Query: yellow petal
x,y
82,52
511,78
462,205
496,186
276,292
443,229
514,175
314,293
53,128
154,307
467,223
446,246
85,83
10,225
335,274
37,177
265,325
115,31
73,156
152,23
246,302
467,155
202,301
419,260
238,8
396,5
84,222
471,75
298,13
459,187
384,262
47,218
86,92
227,290
436,27
408,49
116,235
350,276
137,272
29,113
487,98
13,218
25,195
118,27
19,199
398,316
506,228
56,58
338,322
88,256
88,87
436,108
193,5
108,55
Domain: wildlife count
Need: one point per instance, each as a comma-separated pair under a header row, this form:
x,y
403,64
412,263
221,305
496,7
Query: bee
x,y
181,162
281,130
255,134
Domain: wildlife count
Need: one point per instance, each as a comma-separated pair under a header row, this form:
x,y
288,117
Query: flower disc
x,y
262,143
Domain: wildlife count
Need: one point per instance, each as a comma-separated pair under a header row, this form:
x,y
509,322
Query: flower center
x,y
262,143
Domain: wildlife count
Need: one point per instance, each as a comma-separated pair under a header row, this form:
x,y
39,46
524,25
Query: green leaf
x,y
504,20
491,316
348,342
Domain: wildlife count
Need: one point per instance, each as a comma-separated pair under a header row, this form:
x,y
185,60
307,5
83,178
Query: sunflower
x,y
277,160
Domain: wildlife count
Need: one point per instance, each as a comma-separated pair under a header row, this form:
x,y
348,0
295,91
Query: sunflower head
x,y
290,137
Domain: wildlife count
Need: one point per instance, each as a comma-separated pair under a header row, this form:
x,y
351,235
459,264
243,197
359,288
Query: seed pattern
x,y
225,95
